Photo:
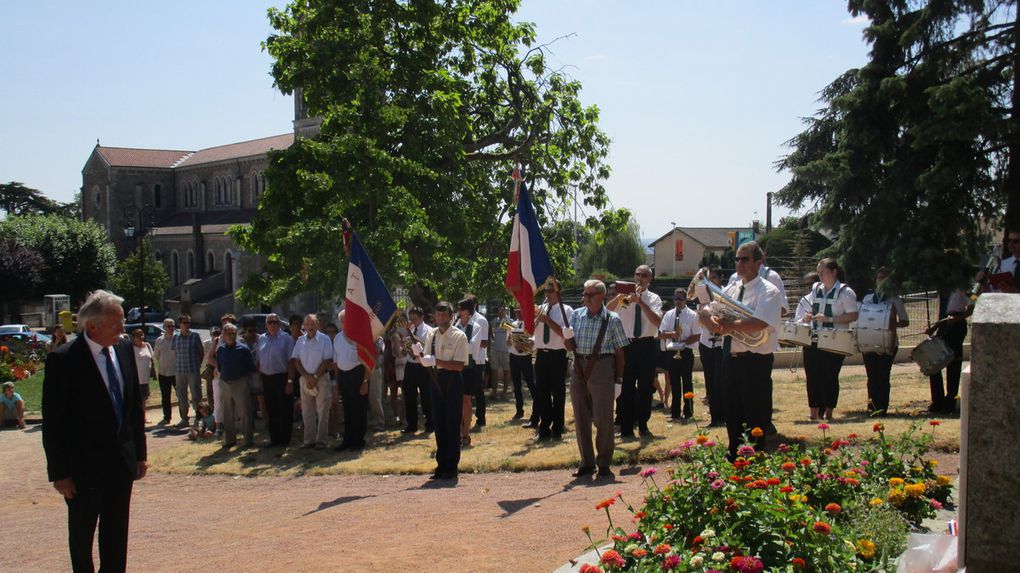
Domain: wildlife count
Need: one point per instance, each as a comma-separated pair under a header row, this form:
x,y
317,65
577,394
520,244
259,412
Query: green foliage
x,y
911,153
16,199
784,241
76,254
844,505
125,279
424,106
20,270
615,245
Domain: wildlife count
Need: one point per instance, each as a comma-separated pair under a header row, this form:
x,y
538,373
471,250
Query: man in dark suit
x,y
94,432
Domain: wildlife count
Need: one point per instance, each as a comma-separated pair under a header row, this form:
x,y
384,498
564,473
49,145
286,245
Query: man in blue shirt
x,y
234,362
274,350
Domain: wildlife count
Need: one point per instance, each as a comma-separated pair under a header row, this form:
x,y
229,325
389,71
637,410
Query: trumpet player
x,y
748,368
521,367
710,351
416,376
832,304
551,363
679,331
499,352
641,319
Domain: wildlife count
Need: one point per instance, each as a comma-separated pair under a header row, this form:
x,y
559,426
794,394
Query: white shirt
x,y
709,338
840,298
519,328
451,346
421,332
555,341
313,352
688,323
165,355
895,301
773,277
1006,265
764,298
143,362
97,355
627,315
958,302
345,353
478,334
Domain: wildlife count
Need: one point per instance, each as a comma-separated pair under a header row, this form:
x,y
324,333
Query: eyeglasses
x,y
743,259
590,294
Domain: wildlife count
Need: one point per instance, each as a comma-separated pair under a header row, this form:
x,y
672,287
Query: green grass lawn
x,y
30,390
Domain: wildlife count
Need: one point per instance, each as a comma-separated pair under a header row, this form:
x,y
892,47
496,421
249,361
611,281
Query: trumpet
x,y
993,261
692,289
732,309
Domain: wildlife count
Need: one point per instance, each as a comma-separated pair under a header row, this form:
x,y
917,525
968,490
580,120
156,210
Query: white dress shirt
x,y
764,298
769,274
345,353
420,332
627,315
518,327
841,298
475,349
688,325
555,340
451,346
313,352
97,355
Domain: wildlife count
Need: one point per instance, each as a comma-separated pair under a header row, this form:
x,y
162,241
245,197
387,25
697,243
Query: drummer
x,y
954,308
831,304
879,366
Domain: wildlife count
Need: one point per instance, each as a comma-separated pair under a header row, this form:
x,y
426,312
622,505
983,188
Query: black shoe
x,y
436,475
449,475
557,436
543,437
717,424
428,428
518,415
342,448
529,425
480,422
581,472
408,430
646,433
625,437
604,473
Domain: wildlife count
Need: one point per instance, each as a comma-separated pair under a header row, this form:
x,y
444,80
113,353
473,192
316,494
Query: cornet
x,y
732,309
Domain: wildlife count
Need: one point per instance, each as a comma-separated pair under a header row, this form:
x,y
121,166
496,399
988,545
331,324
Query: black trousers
x,y
550,390
521,367
355,407
711,365
416,383
745,385
945,400
821,368
279,408
447,392
635,403
480,392
878,367
166,386
108,503
680,382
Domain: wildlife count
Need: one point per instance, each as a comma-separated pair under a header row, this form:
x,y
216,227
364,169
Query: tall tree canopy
x,y
125,279
615,248
912,153
16,199
424,105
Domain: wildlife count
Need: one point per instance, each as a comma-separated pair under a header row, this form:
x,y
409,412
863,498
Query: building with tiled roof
x,y
678,252
190,199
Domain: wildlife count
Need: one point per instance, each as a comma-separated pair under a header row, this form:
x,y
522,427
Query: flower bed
x,y
844,505
19,359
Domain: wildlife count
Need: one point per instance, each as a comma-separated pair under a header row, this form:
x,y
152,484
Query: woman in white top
x,y
830,304
143,361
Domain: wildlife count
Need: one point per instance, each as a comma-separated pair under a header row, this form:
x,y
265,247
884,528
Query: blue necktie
x,y
111,376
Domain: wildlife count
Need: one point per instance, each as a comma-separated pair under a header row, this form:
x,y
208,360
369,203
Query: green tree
x,y
76,254
913,151
615,245
425,105
16,199
783,242
20,273
125,279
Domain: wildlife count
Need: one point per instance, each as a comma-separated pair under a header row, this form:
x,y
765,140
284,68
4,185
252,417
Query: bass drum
x,y
837,341
795,333
875,332
932,355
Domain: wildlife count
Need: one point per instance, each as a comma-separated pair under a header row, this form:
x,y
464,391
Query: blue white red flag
x,y
368,306
528,266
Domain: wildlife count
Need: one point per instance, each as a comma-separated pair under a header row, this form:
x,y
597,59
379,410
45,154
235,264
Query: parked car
x,y
26,333
260,321
152,330
149,315
12,328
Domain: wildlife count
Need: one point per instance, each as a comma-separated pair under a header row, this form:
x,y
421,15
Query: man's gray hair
x,y
229,327
599,285
98,303
754,248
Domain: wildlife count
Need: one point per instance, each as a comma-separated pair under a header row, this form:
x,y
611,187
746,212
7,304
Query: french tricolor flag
x,y
368,306
528,265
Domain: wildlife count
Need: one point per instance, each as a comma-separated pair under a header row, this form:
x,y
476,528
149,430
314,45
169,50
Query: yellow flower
x,y
943,480
897,497
933,463
895,481
914,489
875,502
917,469
865,548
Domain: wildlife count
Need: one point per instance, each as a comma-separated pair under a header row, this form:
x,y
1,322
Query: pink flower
x,y
709,443
648,472
783,448
589,568
935,503
745,451
823,426
670,562
713,475
718,484
611,557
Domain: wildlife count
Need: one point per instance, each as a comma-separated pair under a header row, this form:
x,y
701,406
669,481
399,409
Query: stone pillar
x,y
990,439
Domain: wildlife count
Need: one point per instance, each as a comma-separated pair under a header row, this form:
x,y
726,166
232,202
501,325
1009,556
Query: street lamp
x,y
132,214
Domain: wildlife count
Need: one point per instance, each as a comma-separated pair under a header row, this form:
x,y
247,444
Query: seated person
x,y
206,423
12,407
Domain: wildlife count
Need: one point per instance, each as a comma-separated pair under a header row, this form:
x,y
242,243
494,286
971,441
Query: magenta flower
x,y
670,562
713,475
718,484
648,472
745,451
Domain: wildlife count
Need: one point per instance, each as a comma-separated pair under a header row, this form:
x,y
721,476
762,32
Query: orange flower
x,y
639,553
833,508
798,563
878,428
605,503
822,527
757,433
701,439
788,466
662,549
688,395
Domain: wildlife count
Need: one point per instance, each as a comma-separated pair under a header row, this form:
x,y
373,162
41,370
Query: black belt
x,y
552,350
595,356
748,354
643,338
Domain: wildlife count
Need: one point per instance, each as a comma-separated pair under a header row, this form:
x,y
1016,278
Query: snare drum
x,y
795,333
875,332
932,355
837,341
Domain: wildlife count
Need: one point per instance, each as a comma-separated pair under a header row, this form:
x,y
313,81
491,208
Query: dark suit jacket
x,y
80,433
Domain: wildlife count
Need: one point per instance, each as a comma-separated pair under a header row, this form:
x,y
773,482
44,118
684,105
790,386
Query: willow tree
x,y
425,107
913,154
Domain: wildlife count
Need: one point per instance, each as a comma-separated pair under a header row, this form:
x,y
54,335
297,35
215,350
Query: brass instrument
x,y
692,289
993,261
409,340
727,307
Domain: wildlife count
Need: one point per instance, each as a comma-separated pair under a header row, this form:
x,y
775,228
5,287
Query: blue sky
x,y
698,97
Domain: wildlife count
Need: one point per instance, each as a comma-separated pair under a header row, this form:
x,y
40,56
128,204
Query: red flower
x,y
788,467
746,564
698,540
805,462
670,562
822,527
878,427
668,527
773,481
662,549
798,563
833,508
589,568
786,488
605,503
934,423
611,557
